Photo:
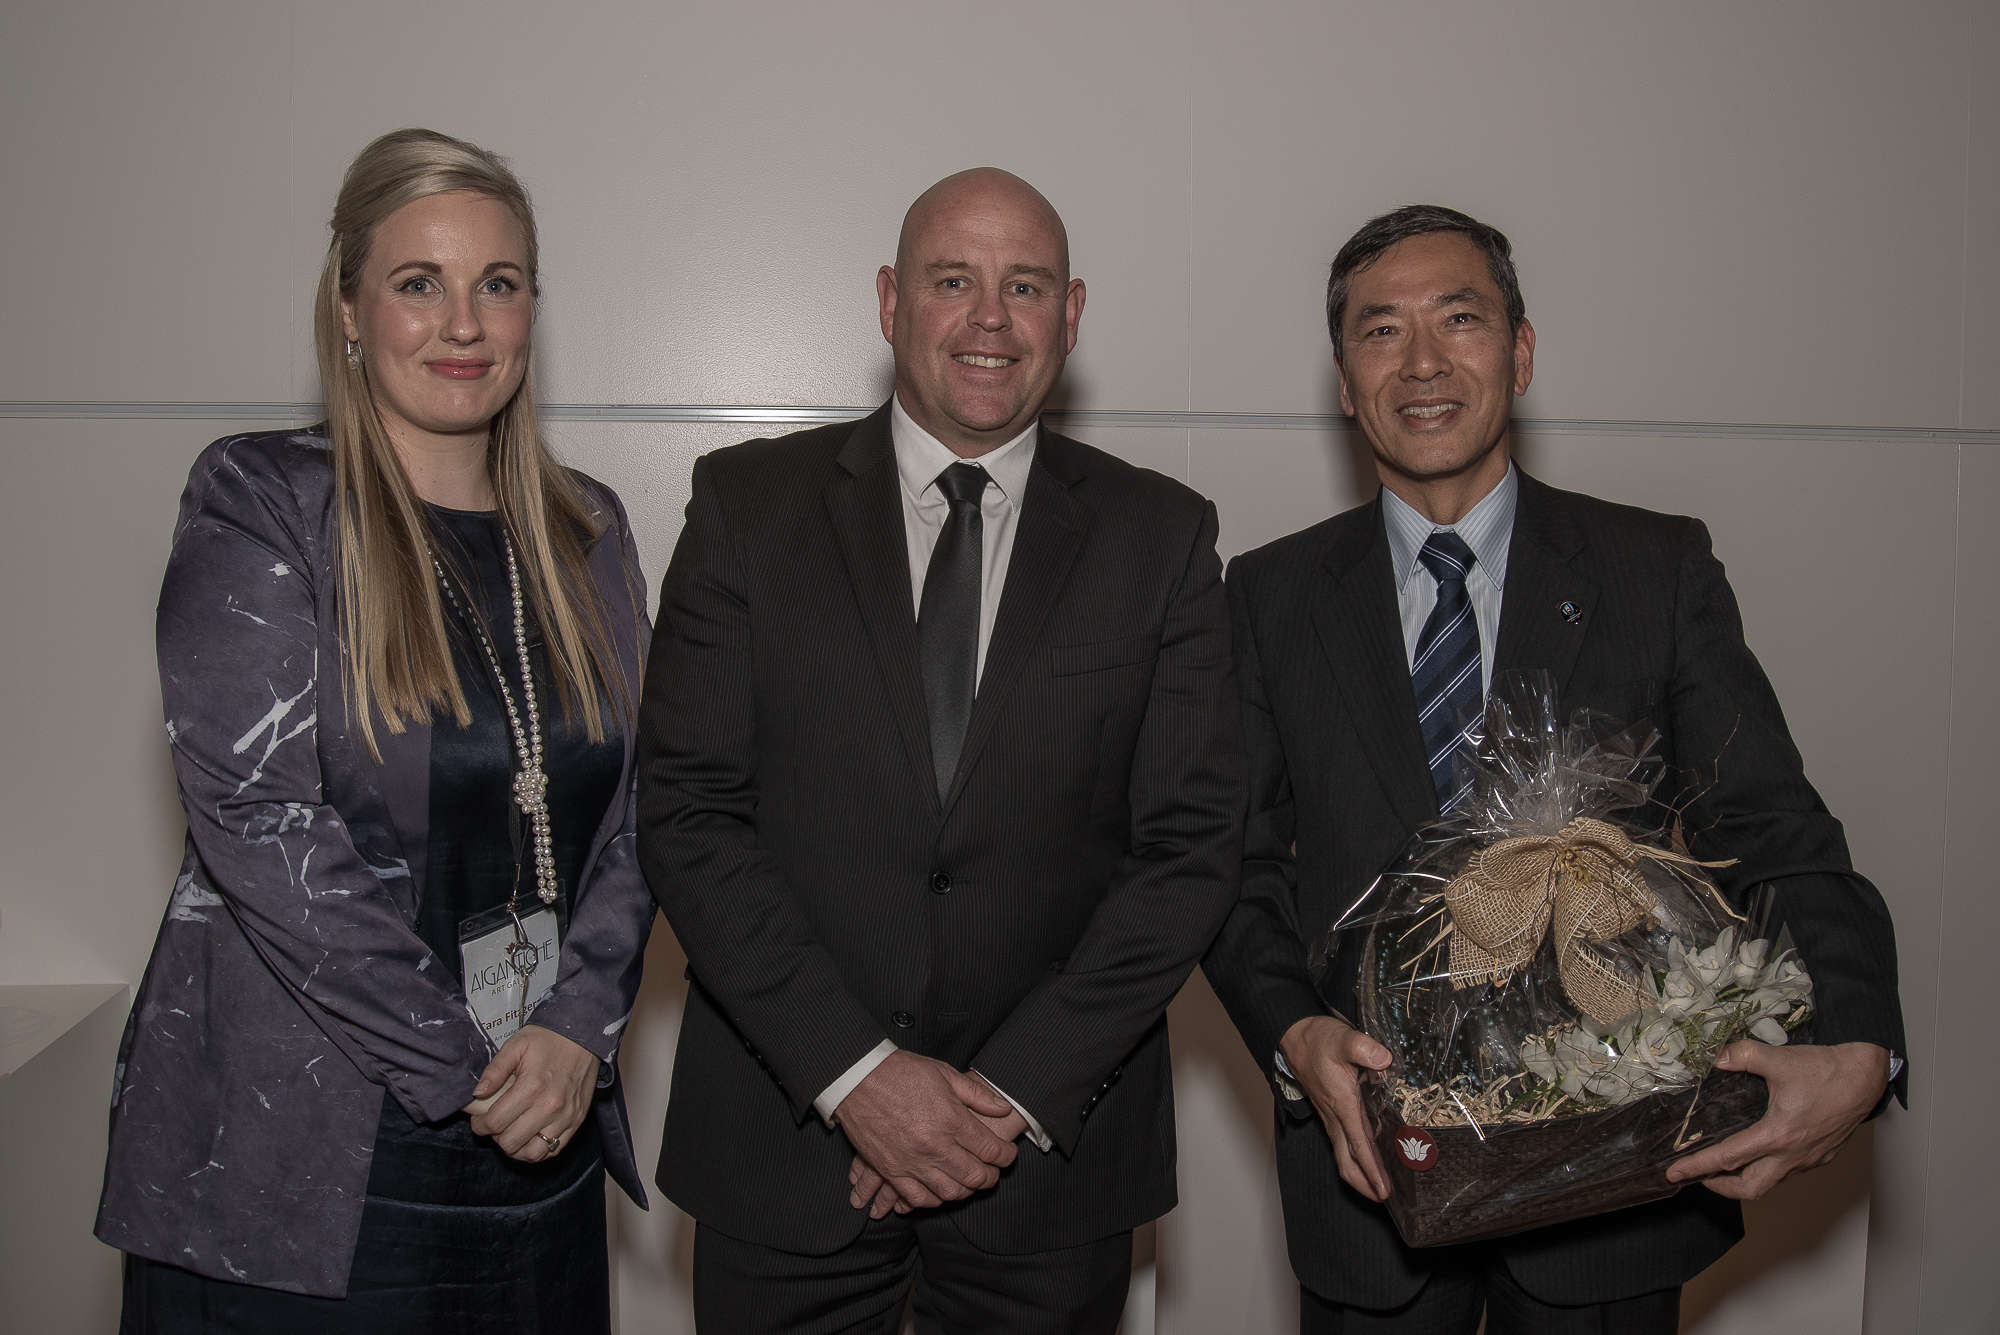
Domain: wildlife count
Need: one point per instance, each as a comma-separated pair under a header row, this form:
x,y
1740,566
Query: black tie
x,y
1445,672
948,620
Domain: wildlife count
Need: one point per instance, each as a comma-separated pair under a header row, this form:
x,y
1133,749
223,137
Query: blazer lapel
x,y
867,512
1362,635
1546,609
1046,540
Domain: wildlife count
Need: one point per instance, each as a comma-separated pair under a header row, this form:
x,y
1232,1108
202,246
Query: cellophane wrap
x,y
1553,976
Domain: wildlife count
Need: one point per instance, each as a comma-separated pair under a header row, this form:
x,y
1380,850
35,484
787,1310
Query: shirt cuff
x,y
836,1093
1035,1133
1287,1083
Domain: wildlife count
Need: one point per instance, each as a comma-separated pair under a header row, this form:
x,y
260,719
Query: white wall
x,y
1757,240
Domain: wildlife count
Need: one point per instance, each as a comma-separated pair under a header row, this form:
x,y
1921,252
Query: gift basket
x,y
1553,976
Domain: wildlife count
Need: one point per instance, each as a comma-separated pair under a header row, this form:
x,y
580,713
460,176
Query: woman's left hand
x,y
537,1089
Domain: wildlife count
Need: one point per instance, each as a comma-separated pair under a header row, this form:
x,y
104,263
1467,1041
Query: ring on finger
x,y
553,1142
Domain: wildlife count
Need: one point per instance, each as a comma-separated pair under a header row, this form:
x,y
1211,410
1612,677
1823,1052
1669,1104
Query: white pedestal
x,y
57,1046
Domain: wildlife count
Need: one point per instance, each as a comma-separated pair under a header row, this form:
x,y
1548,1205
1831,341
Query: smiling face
x,y
1430,370
980,309
443,314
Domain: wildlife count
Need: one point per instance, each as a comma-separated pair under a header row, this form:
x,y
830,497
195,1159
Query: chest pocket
x,y
1067,660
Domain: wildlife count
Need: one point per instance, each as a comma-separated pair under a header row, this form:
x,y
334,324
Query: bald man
x,y
941,790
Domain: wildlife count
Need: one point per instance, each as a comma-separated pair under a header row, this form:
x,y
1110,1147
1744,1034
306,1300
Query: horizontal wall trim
x,y
812,415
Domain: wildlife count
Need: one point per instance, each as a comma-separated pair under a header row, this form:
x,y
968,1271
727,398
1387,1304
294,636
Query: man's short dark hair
x,y
1378,234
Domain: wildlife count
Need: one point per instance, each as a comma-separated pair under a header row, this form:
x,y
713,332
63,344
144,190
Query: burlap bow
x,y
1583,884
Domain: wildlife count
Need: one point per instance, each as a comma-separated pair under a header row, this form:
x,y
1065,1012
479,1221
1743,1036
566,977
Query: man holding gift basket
x,y
1366,646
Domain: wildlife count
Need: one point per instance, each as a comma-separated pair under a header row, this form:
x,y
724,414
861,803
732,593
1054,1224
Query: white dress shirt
x,y
920,457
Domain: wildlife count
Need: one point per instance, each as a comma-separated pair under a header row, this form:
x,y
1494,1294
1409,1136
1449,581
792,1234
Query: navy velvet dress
x,y
456,1236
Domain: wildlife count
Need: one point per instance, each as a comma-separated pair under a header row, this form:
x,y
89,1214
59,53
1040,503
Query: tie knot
x,y
962,483
1447,557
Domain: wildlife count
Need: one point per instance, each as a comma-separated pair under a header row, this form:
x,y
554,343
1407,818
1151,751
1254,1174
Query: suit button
x,y
903,1019
941,882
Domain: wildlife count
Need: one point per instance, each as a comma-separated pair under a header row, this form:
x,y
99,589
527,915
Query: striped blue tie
x,y
1445,671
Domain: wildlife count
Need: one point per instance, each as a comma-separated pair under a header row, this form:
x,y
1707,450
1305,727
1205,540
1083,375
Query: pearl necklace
x,y
531,782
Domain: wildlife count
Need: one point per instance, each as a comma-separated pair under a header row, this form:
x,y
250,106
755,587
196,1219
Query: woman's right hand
x,y
537,1089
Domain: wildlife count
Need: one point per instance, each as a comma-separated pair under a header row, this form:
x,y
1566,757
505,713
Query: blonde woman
x,y
369,1081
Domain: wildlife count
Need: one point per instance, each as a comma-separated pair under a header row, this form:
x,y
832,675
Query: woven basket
x,y
1540,1173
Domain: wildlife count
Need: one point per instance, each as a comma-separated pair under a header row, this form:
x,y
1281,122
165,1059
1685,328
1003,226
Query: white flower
x,y
1788,978
1678,995
1770,1031
1660,1043
1541,1063
1765,1004
1650,1052
1583,1062
1713,966
1747,969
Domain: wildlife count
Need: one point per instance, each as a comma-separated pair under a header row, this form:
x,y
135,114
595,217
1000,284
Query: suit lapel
x,y
1535,629
866,507
1362,635
1046,540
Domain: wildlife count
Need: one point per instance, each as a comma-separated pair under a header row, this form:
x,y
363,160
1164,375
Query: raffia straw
x,y
1458,1103
1416,961
1681,1138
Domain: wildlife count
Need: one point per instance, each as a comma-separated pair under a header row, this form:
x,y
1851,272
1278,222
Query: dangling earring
x,y
353,355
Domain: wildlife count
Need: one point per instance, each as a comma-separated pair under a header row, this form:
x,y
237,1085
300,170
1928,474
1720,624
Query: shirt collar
x,y
920,457
1487,528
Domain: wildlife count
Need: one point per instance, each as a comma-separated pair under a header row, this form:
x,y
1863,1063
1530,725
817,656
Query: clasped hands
x,y
924,1133
538,1085
1819,1095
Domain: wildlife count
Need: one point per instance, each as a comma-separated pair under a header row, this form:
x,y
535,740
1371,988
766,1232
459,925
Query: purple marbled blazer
x,y
287,988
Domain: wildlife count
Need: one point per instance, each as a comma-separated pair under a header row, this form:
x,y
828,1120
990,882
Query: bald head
x,y
979,308
979,191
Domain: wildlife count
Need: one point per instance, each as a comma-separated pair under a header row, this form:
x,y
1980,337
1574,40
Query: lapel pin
x,y
1571,612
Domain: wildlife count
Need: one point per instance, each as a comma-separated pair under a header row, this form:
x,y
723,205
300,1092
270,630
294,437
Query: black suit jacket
x,y
1033,926
1337,765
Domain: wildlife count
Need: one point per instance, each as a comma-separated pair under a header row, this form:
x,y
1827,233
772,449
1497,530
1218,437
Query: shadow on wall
x,y
653,1253
1208,1054
1782,1231
1071,392
164,794
1204,1038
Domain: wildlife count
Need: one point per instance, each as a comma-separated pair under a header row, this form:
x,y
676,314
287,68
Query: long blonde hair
x,y
399,659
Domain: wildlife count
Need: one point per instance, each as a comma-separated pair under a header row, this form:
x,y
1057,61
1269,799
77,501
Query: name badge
x,y
509,963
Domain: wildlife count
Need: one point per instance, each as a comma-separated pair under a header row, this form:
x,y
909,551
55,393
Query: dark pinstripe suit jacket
x,y
1034,925
1337,765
